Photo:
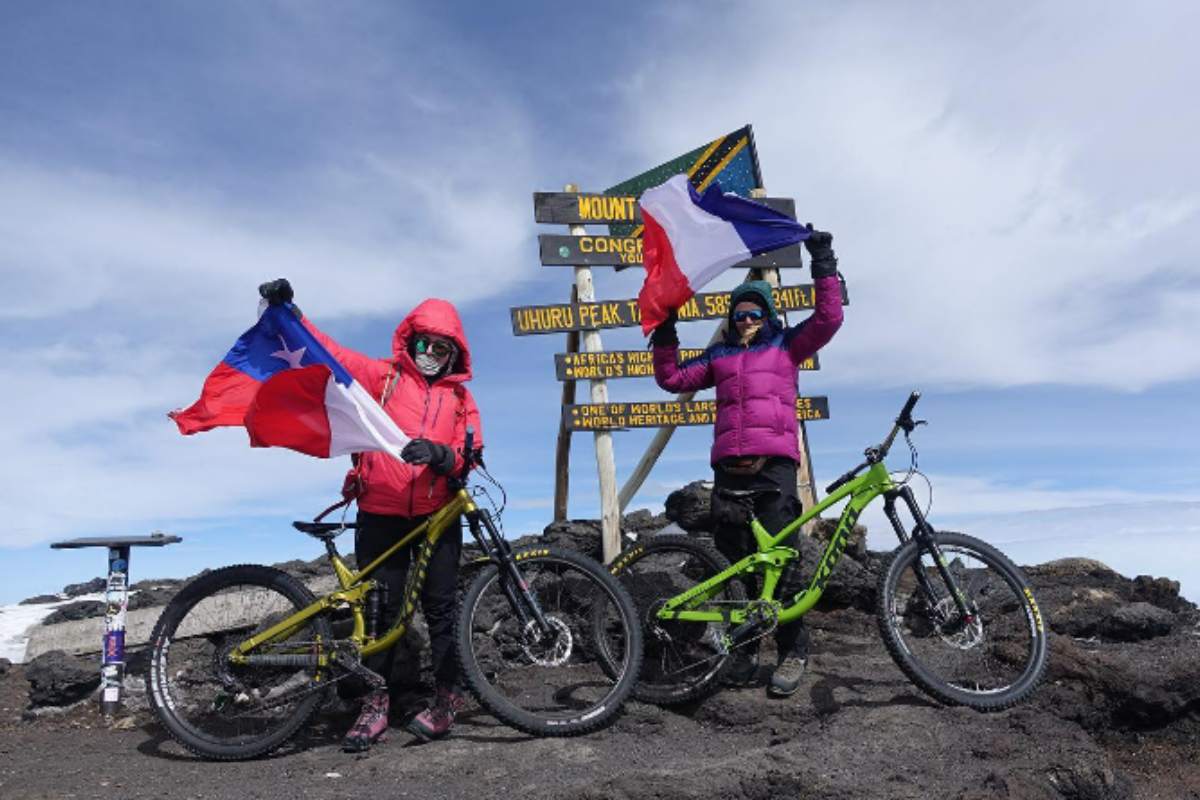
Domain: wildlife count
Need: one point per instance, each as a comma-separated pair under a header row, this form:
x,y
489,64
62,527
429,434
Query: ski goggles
x,y
750,313
438,348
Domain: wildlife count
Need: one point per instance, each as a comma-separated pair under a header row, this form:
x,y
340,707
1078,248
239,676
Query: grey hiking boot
x,y
785,680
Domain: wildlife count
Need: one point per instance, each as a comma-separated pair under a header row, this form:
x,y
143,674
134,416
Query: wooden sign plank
x,y
656,414
571,208
557,250
564,317
623,364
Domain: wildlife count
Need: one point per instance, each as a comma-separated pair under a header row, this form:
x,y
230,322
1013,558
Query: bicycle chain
x,y
353,666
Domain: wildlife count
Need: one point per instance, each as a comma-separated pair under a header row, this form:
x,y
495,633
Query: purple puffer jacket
x,y
756,385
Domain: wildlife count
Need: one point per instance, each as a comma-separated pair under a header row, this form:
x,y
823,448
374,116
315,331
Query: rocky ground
x,y
1118,716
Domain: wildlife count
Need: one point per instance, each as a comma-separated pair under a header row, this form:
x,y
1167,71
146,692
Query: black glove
x,y
422,451
276,292
820,247
665,334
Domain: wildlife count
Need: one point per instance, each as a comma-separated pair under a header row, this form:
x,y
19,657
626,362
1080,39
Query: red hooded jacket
x,y
438,411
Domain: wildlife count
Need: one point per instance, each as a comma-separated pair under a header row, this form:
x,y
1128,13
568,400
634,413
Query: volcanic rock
x,y
58,679
82,609
90,587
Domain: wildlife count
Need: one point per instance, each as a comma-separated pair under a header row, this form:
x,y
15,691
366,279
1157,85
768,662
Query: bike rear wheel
x,y
221,710
990,659
684,660
553,682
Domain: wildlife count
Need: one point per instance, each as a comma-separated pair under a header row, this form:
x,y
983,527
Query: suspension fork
x,y
923,533
512,583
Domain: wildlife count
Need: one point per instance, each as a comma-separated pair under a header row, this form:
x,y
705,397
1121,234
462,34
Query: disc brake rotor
x,y
959,633
551,651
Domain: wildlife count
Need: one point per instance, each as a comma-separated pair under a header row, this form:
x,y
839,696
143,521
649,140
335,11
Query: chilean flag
x,y
288,391
691,238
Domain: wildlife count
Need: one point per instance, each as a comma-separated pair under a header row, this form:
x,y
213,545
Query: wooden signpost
x,y
732,161
625,364
657,413
583,316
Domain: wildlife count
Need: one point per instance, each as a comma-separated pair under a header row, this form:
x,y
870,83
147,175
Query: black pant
x,y
775,504
439,601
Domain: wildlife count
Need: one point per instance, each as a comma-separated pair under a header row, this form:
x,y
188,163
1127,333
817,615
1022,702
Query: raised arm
x,y
690,376
369,372
805,339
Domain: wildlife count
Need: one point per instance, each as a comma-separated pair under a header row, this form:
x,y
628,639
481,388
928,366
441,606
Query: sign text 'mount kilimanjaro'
x,y
608,364
571,208
564,317
656,414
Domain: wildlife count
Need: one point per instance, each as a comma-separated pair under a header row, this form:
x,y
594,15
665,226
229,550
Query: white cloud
x,y
1011,204
367,157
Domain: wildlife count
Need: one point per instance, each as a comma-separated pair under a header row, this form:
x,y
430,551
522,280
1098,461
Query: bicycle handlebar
x,y
904,421
876,454
468,453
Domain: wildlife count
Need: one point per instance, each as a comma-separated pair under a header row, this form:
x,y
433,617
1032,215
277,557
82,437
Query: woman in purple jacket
x,y
755,446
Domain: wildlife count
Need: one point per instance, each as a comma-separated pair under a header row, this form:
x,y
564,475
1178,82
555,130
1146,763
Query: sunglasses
x,y
742,316
438,348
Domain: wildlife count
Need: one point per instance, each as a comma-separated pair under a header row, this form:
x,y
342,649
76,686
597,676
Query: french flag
x,y
288,391
691,238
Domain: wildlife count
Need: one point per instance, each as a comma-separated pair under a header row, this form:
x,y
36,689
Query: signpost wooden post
x,y
562,450
610,511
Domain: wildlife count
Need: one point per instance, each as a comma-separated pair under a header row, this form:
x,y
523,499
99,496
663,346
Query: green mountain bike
x,y
956,615
243,656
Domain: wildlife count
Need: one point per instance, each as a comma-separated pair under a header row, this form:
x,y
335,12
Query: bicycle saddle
x,y
322,530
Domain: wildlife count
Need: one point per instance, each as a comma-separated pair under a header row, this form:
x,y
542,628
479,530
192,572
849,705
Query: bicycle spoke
x,y
983,652
683,659
555,674
222,708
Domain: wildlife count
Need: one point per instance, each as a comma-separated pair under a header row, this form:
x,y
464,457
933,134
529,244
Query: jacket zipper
x,y
412,497
433,423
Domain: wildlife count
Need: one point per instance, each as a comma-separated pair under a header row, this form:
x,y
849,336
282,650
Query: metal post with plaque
x,y
116,601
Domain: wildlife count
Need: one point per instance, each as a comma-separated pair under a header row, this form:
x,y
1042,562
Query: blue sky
x,y
1012,191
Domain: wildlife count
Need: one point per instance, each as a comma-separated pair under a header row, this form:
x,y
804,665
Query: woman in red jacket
x,y
422,387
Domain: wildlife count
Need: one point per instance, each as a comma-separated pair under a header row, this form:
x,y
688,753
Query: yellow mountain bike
x,y
243,656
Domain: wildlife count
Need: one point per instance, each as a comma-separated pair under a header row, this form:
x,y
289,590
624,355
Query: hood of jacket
x,y
440,318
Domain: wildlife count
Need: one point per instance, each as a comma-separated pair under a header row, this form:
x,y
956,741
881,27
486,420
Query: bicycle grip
x,y
908,406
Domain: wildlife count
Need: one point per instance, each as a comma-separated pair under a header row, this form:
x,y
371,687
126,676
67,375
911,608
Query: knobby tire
x,y
682,660
178,693
1005,645
518,679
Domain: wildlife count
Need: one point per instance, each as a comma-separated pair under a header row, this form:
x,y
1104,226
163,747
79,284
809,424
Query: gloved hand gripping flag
x,y
288,391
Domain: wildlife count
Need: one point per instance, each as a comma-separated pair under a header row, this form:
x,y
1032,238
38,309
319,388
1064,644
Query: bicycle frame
x,y
772,557
356,584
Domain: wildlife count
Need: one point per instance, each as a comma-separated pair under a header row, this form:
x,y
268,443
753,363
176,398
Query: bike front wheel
x,y
220,709
990,658
551,680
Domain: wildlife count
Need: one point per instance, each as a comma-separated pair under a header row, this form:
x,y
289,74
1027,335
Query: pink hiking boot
x,y
371,725
436,721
